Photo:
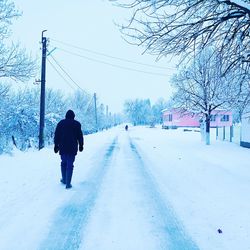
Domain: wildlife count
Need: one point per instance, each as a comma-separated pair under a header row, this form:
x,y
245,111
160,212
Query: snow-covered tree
x,y
83,104
138,111
181,26
20,119
55,110
20,113
101,117
4,112
15,63
202,88
157,110
243,100
87,112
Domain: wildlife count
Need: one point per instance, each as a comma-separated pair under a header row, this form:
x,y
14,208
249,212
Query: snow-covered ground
x,y
145,189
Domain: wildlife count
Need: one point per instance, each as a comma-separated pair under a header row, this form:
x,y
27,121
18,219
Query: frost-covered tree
x,y
4,112
201,87
83,104
15,63
138,111
55,110
24,115
21,120
157,110
181,26
4,90
19,115
243,99
101,117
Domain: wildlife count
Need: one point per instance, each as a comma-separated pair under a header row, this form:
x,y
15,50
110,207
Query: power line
x,y
90,101
111,64
66,73
60,74
109,56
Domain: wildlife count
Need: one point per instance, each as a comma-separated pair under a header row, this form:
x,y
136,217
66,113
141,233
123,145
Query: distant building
x,y
245,130
174,118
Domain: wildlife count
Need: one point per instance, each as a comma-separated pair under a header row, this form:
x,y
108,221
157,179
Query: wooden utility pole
x,y
107,116
42,98
96,121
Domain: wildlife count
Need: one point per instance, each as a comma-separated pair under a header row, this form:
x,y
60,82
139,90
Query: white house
x,y
245,130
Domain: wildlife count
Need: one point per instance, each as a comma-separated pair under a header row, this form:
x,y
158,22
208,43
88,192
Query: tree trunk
x,y
13,140
202,130
207,129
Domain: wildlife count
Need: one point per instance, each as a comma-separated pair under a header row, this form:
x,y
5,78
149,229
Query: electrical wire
x,y
88,104
66,73
109,56
110,64
60,74
91,99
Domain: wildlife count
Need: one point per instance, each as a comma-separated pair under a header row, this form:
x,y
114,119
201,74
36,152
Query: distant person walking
x,y
126,127
68,137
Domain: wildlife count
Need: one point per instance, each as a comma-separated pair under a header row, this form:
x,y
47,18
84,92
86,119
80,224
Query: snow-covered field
x,y
145,189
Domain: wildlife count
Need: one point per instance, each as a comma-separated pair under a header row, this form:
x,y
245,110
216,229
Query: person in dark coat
x,y
68,138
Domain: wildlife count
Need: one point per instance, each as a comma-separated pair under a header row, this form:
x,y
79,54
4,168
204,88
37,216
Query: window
x,y
212,118
225,118
169,118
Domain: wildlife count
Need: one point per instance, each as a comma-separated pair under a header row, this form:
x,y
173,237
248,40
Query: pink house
x,y
174,118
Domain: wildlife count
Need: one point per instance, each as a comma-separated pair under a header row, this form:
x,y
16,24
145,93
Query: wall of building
x,y
218,116
189,120
245,130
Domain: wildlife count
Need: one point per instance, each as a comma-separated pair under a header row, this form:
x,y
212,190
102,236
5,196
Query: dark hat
x,y
70,114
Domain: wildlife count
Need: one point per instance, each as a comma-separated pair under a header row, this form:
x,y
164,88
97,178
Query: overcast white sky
x,y
90,26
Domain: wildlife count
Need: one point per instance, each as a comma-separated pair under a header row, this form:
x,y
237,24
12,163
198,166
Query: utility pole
x,y
96,122
107,116
42,98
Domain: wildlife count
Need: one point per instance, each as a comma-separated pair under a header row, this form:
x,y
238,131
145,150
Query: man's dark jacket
x,y
68,135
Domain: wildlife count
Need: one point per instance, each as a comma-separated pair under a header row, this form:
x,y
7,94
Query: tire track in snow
x,y
71,219
171,232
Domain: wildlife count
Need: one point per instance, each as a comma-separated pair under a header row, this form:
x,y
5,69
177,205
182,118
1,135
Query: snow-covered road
x,y
118,207
72,218
145,189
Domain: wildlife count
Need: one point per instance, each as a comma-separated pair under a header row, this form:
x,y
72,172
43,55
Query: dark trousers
x,y
67,168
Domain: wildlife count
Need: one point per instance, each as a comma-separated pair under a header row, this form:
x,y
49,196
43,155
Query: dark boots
x,y
69,172
67,169
63,171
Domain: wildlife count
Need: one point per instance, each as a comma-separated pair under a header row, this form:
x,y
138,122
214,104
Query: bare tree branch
x,y
173,27
15,63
